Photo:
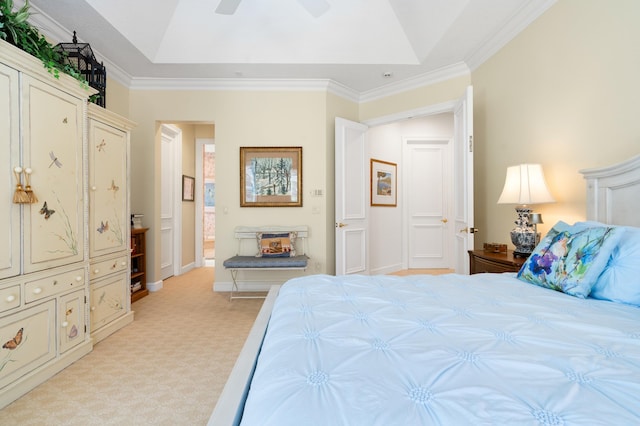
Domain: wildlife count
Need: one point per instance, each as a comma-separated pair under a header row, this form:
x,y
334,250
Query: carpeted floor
x,y
166,368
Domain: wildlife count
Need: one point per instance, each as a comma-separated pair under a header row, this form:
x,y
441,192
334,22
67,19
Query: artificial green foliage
x,y
15,29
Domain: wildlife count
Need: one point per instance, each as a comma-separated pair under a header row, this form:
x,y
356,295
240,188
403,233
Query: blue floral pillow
x,y
570,258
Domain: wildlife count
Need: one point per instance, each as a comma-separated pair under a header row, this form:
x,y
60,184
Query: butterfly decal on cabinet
x,y
46,211
13,343
101,146
104,226
54,160
113,188
73,332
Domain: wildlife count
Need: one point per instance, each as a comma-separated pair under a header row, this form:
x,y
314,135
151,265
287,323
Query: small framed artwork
x,y
271,176
188,188
209,195
384,187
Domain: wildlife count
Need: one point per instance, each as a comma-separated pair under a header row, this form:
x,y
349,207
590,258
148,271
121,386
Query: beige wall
x,y
564,94
279,118
117,98
188,207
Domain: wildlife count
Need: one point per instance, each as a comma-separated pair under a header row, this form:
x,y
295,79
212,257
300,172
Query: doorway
x,y
383,249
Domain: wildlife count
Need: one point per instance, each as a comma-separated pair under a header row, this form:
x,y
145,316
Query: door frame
x,y
199,229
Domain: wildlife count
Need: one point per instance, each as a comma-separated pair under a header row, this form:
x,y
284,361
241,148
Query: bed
x,y
455,349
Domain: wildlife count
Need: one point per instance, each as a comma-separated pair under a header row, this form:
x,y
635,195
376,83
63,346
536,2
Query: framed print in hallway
x,y
384,187
271,176
188,188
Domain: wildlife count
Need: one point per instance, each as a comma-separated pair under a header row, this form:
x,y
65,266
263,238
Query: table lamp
x,y
525,185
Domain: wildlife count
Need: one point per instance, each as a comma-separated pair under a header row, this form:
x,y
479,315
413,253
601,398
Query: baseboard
x,y
155,286
186,268
112,327
387,269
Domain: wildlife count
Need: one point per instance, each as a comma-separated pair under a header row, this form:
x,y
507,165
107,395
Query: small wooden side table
x,y
484,261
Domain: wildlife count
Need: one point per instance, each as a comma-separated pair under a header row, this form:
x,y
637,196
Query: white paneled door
x,y
427,205
168,201
463,181
351,197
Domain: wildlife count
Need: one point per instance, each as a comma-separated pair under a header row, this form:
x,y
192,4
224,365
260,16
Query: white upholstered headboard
x,y
613,193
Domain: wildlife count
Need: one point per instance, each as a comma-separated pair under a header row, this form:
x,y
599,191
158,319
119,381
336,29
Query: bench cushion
x,y
240,262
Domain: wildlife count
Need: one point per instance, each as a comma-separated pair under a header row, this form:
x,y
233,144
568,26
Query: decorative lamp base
x,y
524,235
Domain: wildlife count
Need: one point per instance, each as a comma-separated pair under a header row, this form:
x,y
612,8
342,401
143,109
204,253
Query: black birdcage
x,y
81,57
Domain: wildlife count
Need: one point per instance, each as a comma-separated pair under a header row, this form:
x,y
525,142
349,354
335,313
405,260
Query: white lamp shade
x,y
524,185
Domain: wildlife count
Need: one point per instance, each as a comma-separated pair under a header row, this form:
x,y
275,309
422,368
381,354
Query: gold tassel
x,y
27,180
19,196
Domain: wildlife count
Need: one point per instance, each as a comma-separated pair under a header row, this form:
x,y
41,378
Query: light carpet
x,y
166,368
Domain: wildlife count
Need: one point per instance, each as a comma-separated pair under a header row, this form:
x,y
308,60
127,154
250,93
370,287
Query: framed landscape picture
x,y
270,176
384,188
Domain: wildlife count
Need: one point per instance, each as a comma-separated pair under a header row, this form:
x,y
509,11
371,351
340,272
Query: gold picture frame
x,y
271,176
384,184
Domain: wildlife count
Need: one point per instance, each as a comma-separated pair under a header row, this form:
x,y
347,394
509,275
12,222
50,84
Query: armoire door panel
x,y
52,148
108,215
9,159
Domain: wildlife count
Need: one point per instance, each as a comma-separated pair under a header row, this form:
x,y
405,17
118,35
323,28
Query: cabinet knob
x,y
93,188
79,278
96,271
65,324
123,263
93,308
37,290
10,298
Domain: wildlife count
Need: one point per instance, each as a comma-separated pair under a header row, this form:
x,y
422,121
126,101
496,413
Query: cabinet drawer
x,y
483,265
106,267
9,298
45,287
108,300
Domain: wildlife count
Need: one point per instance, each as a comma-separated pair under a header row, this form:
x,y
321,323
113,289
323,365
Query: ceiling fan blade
x,y
315,7
227,7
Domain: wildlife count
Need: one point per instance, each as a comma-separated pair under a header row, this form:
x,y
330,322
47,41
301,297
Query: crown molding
x,y
432,77
514,26
244,84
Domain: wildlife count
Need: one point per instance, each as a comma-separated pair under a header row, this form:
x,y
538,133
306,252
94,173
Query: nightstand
x,y
484,261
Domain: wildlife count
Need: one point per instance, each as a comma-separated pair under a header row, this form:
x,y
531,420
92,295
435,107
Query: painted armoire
x,y
54,225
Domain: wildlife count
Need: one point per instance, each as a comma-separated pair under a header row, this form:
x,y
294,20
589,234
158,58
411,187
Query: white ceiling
x,y
353,44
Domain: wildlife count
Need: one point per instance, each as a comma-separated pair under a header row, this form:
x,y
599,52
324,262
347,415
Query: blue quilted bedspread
x,y
485,349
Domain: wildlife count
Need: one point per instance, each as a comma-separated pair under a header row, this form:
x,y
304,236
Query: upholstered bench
x,y
271,256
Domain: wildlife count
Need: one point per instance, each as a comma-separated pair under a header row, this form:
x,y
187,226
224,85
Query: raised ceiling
x,y
352,43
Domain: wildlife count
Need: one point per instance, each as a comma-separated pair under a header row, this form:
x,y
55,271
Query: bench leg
x,y
234,286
